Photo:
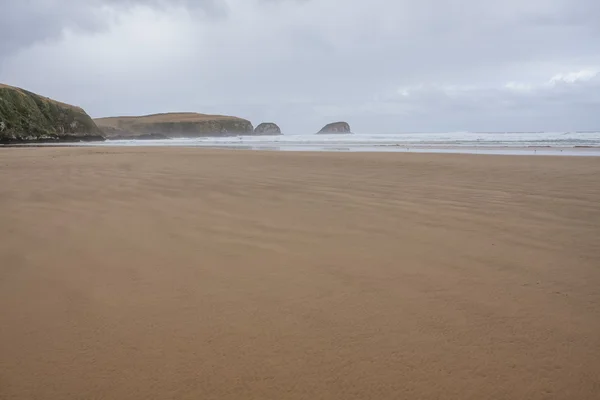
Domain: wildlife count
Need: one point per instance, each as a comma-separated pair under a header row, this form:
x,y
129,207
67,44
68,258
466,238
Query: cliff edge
x,y
174,125
29,117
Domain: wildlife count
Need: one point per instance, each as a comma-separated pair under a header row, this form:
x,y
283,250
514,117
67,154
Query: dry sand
x,y
154,273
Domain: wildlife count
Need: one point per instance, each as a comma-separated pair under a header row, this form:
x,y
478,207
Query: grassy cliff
x,y
174,125
28,117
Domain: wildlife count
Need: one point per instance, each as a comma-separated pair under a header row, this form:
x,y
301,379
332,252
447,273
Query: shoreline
x,y
512,150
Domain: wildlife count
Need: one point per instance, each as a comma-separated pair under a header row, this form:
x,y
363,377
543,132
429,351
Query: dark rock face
x,y
174,125
26,117
267,128
336,127
143,136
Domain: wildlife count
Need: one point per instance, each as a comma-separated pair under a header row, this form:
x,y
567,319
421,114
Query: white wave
x,y
516,139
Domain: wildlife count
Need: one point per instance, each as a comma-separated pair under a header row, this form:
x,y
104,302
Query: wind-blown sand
x,y
163,273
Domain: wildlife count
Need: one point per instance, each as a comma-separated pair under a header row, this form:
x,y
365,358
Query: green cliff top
x,y
26,116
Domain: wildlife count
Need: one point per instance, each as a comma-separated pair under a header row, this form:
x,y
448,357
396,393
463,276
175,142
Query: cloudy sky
x,y
382,65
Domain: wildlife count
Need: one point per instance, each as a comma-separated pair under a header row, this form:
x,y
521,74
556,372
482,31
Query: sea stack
x,y
267,128
27,117
336,127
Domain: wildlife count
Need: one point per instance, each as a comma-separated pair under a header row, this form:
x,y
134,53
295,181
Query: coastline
x,y
206,143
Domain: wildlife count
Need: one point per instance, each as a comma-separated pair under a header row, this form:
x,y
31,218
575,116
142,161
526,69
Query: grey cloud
x,y
302,63
25,22
563,102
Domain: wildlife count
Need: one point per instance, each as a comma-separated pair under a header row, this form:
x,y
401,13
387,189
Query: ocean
x,y
554,143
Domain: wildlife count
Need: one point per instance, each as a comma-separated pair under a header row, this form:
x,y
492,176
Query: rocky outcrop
x,y
143,136
120,134
174,125
336,127
267,128
26,117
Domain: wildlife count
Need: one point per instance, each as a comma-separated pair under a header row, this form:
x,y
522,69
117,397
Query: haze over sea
x,y
560,143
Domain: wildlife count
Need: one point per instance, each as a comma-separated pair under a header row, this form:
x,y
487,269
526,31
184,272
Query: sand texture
x,y
164,273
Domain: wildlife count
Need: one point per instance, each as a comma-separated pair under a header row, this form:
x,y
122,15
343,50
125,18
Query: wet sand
x,y
181,273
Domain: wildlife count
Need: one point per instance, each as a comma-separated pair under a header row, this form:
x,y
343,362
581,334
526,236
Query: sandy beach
x,y
182,273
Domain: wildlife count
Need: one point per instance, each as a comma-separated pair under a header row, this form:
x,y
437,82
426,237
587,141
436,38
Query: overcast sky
x,y
382,65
